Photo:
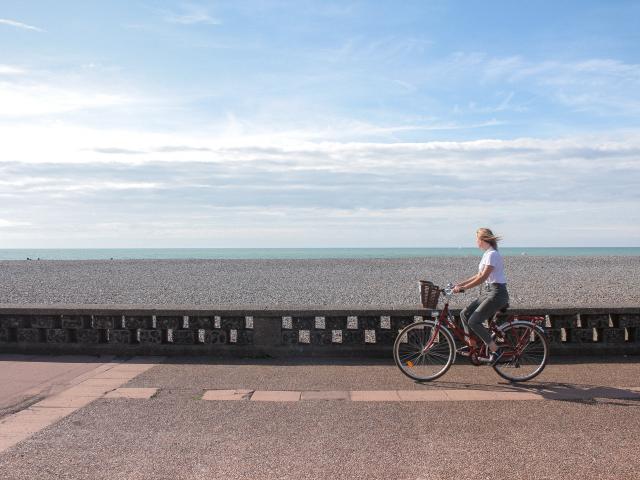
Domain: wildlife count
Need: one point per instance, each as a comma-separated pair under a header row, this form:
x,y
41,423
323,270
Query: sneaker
x,y
496,356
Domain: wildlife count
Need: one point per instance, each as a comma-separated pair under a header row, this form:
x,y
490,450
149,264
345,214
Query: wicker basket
x,y
429,294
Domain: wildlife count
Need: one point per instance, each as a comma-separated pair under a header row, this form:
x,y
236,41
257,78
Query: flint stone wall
x,y
124,330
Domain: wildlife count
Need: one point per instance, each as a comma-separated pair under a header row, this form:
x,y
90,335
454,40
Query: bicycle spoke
x,y
439,355
529,351
426,353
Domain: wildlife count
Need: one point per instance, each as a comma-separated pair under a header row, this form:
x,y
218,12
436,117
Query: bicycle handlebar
x,y
448,290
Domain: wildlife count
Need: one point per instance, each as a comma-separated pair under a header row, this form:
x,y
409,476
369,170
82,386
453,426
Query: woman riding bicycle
x,y
494,293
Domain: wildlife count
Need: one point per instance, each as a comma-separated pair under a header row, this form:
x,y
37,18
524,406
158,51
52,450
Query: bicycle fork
x,y
432,340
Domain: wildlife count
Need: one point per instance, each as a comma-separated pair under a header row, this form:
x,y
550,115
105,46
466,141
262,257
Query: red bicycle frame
x,y
477,348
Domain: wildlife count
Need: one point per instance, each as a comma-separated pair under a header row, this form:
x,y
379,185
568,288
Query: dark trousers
x,y
493,297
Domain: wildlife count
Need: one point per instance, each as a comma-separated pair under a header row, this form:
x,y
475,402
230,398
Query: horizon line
x,y
305,248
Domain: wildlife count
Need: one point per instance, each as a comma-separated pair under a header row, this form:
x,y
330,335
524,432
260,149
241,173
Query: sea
x,y
294,253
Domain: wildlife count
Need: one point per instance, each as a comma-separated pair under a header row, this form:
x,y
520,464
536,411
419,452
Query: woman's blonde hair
x,y
487,235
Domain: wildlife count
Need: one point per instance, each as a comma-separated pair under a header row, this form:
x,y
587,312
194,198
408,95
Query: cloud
x,y
191,15
291,226
33,98
222,173
11,224
599,85
180,148
222,192
11,70
117,151
13,23
162,149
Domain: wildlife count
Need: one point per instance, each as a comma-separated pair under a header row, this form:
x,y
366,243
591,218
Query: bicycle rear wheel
x,y
422,353
526,352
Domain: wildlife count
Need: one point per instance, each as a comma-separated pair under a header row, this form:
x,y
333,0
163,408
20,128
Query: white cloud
x,y
95,186
62,143
12,224
33,99
241,179
520,224
11,70
191,15
13,23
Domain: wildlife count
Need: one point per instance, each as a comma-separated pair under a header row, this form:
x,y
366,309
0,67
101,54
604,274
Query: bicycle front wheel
x,y
526,352
424,352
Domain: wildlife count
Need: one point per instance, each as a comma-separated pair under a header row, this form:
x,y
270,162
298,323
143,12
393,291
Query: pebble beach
x,y
533,282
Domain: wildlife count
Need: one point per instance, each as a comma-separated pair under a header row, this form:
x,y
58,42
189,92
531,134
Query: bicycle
x,y
426,349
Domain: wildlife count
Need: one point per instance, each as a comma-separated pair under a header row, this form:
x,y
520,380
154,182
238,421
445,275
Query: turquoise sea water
x,y
294,253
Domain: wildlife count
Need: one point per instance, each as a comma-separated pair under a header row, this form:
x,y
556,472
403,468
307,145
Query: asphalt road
x,y
176,434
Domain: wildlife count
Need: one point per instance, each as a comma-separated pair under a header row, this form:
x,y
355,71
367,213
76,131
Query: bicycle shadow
x,y
565,392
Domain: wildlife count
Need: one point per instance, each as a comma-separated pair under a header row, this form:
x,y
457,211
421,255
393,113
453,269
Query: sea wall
x,y
132,330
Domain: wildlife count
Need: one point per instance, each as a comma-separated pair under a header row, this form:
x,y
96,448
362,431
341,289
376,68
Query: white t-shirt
x,y
492,257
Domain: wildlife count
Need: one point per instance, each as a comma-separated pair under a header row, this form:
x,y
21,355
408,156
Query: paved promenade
x,y
199,418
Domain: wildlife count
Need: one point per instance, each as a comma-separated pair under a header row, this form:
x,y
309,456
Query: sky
x,y
318,124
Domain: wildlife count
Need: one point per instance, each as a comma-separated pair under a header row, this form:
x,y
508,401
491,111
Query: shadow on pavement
x,y
569,392
346,361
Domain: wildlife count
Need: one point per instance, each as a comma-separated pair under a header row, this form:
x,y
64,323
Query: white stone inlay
x,y
287,323
233,336
217,322
417,318
385,322
352,323
170,335
320,323
336,336
154,323
304,336
248,322
201,335
403,338
369,336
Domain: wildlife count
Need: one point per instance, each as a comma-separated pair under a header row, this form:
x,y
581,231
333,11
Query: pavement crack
x,y
22,405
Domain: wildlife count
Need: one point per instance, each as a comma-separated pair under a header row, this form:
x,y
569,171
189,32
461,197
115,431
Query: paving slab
x,y
484,395
75,393
86,391
423,396
118,375
275,396
139,393
26,377
375,396
226,395
325,395
108,383
65,400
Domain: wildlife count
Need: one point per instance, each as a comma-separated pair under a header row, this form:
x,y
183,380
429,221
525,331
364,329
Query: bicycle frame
x,y
426,349
477,347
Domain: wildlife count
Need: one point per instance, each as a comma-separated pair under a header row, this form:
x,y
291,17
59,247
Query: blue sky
x,y
318,124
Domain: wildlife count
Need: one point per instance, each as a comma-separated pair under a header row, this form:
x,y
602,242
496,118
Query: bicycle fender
x,y
534,326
